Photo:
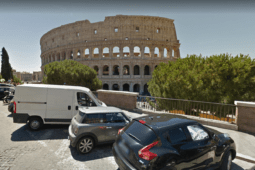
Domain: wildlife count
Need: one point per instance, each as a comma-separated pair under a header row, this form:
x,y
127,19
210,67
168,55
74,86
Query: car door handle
x,y
108,127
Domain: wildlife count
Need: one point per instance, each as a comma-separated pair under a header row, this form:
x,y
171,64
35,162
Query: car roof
x,y
54,86
91,110
166,121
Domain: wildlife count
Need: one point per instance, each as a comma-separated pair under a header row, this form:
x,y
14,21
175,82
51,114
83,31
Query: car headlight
x,y
226,135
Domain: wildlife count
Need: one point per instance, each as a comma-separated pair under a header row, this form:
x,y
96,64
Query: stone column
x,y
161,53
152,51
75,51
131,70
169,53
142,51
110,70
131,49
121,70
131,87
110,51
121,86
121,51
82,51
90,52
100,70
142,70
141,87
110,85
100,49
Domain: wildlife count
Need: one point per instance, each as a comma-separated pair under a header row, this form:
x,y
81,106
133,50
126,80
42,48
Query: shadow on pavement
x,y
53,132
236,167
99,152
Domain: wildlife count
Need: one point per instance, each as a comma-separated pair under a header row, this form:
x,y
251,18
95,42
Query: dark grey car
x,y
95,125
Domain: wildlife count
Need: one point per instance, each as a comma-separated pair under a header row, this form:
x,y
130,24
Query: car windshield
x,y
92,94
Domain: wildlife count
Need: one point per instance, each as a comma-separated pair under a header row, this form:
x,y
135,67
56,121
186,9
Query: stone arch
x,y
105,86
116,51
105,52
116,70
126,87
156,52
126,70
96,68
147,70
137,51
136,88
95,53
126,51
71,55
86,52
78,54
136,70
115,87
147,52
106,70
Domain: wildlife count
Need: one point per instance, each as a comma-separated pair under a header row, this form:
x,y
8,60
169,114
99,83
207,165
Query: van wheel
x,y
35,123
85,145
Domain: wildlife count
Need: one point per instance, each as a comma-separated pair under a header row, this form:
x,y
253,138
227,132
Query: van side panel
x,y
59,105
31,100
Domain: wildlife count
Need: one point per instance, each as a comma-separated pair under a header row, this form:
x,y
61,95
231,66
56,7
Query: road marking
x,y
245,158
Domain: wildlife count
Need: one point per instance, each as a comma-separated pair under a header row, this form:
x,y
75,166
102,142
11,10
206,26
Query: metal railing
x,y
209,110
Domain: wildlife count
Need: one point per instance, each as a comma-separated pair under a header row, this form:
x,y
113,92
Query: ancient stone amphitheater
x,y
124,50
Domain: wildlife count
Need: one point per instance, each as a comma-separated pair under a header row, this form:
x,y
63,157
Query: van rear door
x,y
59,105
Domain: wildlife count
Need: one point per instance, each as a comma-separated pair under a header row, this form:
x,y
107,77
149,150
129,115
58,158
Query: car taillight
x,y
144,153
14,110
120,130
142,121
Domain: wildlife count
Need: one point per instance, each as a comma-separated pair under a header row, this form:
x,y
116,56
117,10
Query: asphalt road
x,y
49,148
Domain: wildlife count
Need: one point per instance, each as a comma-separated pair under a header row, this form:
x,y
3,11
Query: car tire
x,y
226,162
35,123
85,145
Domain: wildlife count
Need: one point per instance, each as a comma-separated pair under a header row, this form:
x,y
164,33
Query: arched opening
x,y
136,70
126,87
156,52
146,70
58,57
86,53
71,55
126,70
137,88
126,52
115,87
106,52
105,70
165,52
106,86
172,53
95,53
145,87
96,69
116,70
116,52
137,51
147,52
78,54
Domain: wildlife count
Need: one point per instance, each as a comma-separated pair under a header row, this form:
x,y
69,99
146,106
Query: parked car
x,y
92,126
41,104
6,87
166,142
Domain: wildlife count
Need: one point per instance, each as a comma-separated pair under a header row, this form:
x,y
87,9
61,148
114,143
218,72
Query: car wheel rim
x,y
229,161
35,124
86,145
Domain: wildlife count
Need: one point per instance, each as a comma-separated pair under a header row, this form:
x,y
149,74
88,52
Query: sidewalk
x,y
245,144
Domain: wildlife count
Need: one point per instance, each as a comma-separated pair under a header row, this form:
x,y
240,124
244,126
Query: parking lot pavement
x,y
50,148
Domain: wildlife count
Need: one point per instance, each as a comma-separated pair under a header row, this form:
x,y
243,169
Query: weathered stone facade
x,y
123,49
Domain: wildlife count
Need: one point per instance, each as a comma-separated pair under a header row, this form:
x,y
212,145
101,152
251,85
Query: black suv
x,y
167,142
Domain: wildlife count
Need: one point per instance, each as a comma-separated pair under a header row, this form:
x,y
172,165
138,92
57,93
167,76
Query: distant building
x,y
26,76
37,76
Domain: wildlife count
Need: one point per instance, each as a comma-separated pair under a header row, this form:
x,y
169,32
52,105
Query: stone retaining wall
x,y
120,99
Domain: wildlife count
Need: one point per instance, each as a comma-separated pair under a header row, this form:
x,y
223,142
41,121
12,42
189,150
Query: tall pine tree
x,y
6,69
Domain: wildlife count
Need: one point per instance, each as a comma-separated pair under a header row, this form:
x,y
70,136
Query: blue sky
x,y
203,27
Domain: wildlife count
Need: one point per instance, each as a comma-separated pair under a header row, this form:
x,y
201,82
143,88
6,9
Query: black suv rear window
x,y
143,133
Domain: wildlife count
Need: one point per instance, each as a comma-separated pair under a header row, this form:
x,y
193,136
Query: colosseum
x,y
124,50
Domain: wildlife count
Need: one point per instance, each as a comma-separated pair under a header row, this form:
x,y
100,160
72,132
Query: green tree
x,y
16,79
6,69
218,78
71,73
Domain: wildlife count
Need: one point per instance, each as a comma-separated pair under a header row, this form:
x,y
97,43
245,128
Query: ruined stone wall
x,y
129,43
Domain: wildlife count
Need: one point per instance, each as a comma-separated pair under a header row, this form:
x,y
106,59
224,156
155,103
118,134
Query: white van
x,y
41,104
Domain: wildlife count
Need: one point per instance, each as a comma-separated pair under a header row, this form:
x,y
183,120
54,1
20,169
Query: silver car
x,y
95,125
